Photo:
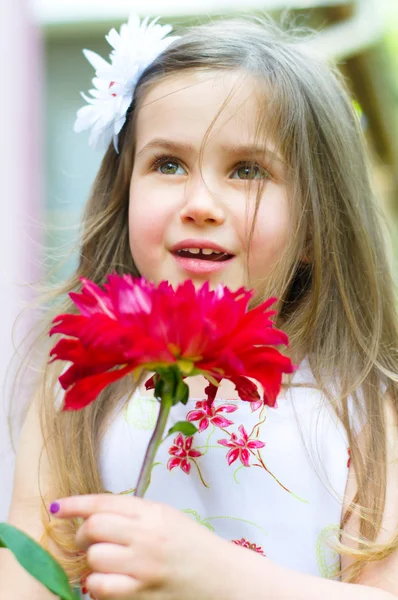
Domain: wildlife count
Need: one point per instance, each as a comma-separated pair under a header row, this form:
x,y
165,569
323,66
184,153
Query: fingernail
x,y
54,507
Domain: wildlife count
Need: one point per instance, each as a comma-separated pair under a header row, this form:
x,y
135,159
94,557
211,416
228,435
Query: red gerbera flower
x,y
130,325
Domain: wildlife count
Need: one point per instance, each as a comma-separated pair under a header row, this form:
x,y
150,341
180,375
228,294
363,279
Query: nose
x,y
201,205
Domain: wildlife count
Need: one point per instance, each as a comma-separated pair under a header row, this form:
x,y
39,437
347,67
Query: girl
x,y
239,161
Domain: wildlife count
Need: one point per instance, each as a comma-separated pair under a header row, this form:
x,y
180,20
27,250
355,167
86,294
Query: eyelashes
x,y
163,159
248,169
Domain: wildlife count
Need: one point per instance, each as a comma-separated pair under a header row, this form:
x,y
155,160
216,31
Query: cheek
x,y
143,205
272,232
142,225
144,232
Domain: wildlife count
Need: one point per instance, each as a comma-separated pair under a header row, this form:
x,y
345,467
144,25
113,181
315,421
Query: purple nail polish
x,y
54,507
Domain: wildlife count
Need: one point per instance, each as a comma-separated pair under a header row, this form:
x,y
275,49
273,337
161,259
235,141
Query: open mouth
x,y
203,254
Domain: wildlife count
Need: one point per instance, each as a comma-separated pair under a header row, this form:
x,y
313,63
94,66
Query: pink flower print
x,y
240,447
205,412
182,453
245,544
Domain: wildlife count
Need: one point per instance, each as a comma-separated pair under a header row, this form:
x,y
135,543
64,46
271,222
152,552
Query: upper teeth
x,y
206,251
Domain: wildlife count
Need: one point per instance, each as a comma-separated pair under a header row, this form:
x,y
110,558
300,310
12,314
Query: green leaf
x,y
181,393
159,387
36,561
184,427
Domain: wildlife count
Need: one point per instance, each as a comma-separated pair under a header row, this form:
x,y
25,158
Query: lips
x,y
198,256
203,254
201,250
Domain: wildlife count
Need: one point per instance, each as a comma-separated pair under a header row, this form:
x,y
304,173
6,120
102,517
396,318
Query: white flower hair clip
x,y
136,46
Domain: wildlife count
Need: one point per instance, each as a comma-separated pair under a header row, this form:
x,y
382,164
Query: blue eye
x,y
251,171
170,167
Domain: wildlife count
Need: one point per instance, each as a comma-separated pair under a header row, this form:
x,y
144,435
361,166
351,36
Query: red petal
x,y
92,300
194,453
186,466
173,462
130,296
221,422
194,415
77,373
87,390
267,368
232,455
255,444
247,390
245,457
68,325
203,424
225,443
243,433
228,408
150,383
211,391
176,451
179,441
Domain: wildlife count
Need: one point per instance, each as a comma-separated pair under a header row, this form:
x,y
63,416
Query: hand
x,y
142,550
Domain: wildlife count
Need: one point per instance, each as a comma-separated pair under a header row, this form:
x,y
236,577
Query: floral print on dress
x,y
182,453
328,559
241,447
246,544
205,412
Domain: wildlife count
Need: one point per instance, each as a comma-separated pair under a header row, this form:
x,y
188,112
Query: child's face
x,y
177,208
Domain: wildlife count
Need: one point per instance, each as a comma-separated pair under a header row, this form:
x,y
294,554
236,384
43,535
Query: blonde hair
x,y
337,306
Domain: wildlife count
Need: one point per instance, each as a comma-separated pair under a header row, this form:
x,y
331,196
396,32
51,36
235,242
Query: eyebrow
x,y
237,150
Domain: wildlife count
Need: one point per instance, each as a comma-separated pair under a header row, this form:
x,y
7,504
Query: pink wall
x,y
21,197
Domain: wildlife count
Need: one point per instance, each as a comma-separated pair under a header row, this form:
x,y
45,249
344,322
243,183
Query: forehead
x,y
186,105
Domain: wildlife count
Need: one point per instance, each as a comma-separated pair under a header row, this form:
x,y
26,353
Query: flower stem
x,y
144,478
258,456
200,473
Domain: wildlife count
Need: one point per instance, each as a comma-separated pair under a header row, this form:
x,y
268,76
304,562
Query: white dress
x,y
285,505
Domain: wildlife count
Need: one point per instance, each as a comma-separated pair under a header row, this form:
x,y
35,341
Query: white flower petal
x,y
112,38
125,103
87,98
95,93
95,60
101,84
118,124
132,23
86,117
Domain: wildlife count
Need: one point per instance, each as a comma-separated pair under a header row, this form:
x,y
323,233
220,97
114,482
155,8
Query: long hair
x,y
337,305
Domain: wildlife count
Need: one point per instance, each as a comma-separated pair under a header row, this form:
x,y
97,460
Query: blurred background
x,y
46,170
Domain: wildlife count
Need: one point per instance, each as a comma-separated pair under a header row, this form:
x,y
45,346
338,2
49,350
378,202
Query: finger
x,y
105,586
110,558
84,506
105,527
